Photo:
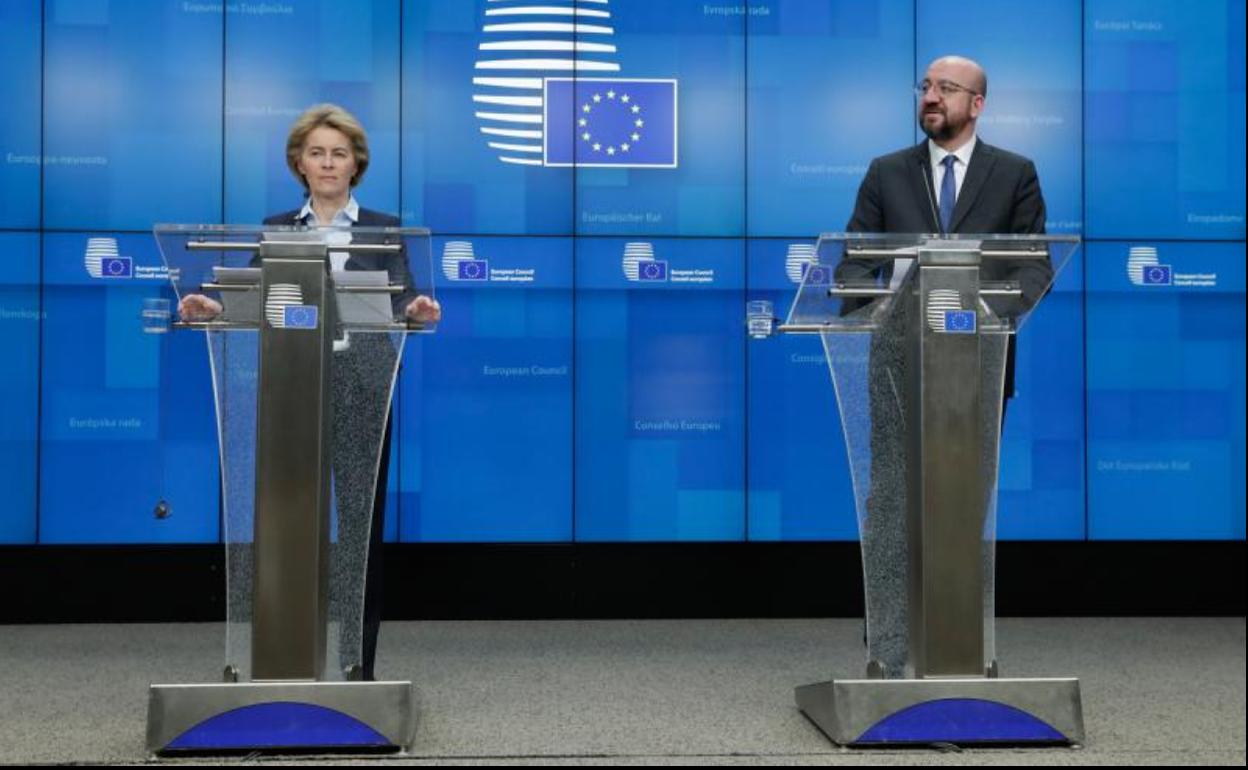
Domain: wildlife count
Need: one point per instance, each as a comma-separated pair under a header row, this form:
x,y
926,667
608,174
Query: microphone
x,y
931,198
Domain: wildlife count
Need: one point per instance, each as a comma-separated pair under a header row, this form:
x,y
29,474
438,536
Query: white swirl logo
x,y
634,255
102,260
800,256
281,296
940,302
523,45
460,264
1144,269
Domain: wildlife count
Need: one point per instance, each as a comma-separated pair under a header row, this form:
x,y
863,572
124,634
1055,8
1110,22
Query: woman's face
x,y
327,163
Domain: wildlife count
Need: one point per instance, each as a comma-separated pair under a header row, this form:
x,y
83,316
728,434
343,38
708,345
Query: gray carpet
x,y
1156,691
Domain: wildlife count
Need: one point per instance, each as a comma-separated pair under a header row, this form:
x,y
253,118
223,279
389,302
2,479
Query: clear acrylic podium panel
x,y
366,358
866,342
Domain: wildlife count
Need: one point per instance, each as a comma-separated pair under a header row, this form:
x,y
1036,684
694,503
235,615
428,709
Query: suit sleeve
x,y
1029,219
868,217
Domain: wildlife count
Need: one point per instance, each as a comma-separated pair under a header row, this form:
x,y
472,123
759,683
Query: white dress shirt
x,y
347,216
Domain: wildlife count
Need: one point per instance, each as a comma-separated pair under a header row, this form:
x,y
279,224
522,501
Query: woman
x,y
327,151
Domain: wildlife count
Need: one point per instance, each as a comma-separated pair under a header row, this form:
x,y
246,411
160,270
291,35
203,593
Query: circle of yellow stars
x,y
633,108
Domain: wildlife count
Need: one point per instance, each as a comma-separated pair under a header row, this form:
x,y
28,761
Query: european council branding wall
x,y
607,183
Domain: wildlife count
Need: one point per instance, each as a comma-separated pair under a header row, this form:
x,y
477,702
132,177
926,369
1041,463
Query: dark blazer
x,y
394,264
1000,195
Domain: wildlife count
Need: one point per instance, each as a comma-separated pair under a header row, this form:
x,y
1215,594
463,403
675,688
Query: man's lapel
x,y
921,185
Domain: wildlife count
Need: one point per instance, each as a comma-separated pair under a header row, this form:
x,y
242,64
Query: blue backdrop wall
x,y
578,404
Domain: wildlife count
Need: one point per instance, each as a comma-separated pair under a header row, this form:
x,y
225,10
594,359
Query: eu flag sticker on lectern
x,y
960,321
300,316
612,122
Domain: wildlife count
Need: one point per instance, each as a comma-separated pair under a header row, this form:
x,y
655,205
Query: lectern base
x,y
280,716
873,712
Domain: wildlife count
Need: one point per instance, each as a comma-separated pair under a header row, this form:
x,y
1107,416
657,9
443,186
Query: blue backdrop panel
x,y
21,40
453,181
1166,392
799,481
573,376
279,63
487,402
127,418
132,114
1165,102
1031,53
829,89
703,50
19,384
1041,482
660,390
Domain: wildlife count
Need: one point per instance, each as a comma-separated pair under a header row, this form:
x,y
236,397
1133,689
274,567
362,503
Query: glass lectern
x,y
918,333
305,330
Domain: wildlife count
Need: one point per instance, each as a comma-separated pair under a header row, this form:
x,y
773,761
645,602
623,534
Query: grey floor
x,y
1155,691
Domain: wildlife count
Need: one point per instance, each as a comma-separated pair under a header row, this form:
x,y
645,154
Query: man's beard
x,y
945,130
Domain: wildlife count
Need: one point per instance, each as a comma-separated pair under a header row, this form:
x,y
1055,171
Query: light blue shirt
x,y
346,217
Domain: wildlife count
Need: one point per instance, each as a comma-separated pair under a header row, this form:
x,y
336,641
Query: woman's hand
x,y
197,307
423,310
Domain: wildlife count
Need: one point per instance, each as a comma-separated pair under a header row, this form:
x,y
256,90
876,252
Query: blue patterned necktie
x,y
948,194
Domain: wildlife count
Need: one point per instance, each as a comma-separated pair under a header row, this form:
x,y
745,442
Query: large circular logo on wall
x,y
523,43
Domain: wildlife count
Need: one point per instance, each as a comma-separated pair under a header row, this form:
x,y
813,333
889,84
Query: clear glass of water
x,y
156,315
759,318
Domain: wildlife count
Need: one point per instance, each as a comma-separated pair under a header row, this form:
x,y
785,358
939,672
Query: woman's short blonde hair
x,y
333,116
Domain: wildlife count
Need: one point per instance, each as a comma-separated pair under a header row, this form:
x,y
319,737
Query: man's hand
x,y
423,310
197,307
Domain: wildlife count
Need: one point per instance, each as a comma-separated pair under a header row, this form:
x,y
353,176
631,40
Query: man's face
x,y
948,106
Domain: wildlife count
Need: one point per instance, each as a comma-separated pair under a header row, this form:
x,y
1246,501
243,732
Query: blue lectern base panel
x,y
973,711
295,717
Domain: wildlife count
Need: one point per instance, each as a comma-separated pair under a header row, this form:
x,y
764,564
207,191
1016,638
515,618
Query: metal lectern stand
x,y
916,330
304,361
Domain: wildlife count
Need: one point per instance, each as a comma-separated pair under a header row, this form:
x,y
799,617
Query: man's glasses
x,y
947,88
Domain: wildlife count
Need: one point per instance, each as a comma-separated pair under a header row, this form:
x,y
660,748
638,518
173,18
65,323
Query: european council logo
x,y
535,114
102,260
640,265
1143,268
945,314
460,264
284,308
798,260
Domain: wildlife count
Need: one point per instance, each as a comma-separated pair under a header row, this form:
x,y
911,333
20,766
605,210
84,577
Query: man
x,y
994,191
951,183
990,190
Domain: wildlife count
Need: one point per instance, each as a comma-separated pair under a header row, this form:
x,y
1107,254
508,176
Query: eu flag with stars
x,y
610,122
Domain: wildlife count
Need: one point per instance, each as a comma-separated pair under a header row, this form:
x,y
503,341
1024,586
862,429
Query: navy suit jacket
x,y
1000,195
394,264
